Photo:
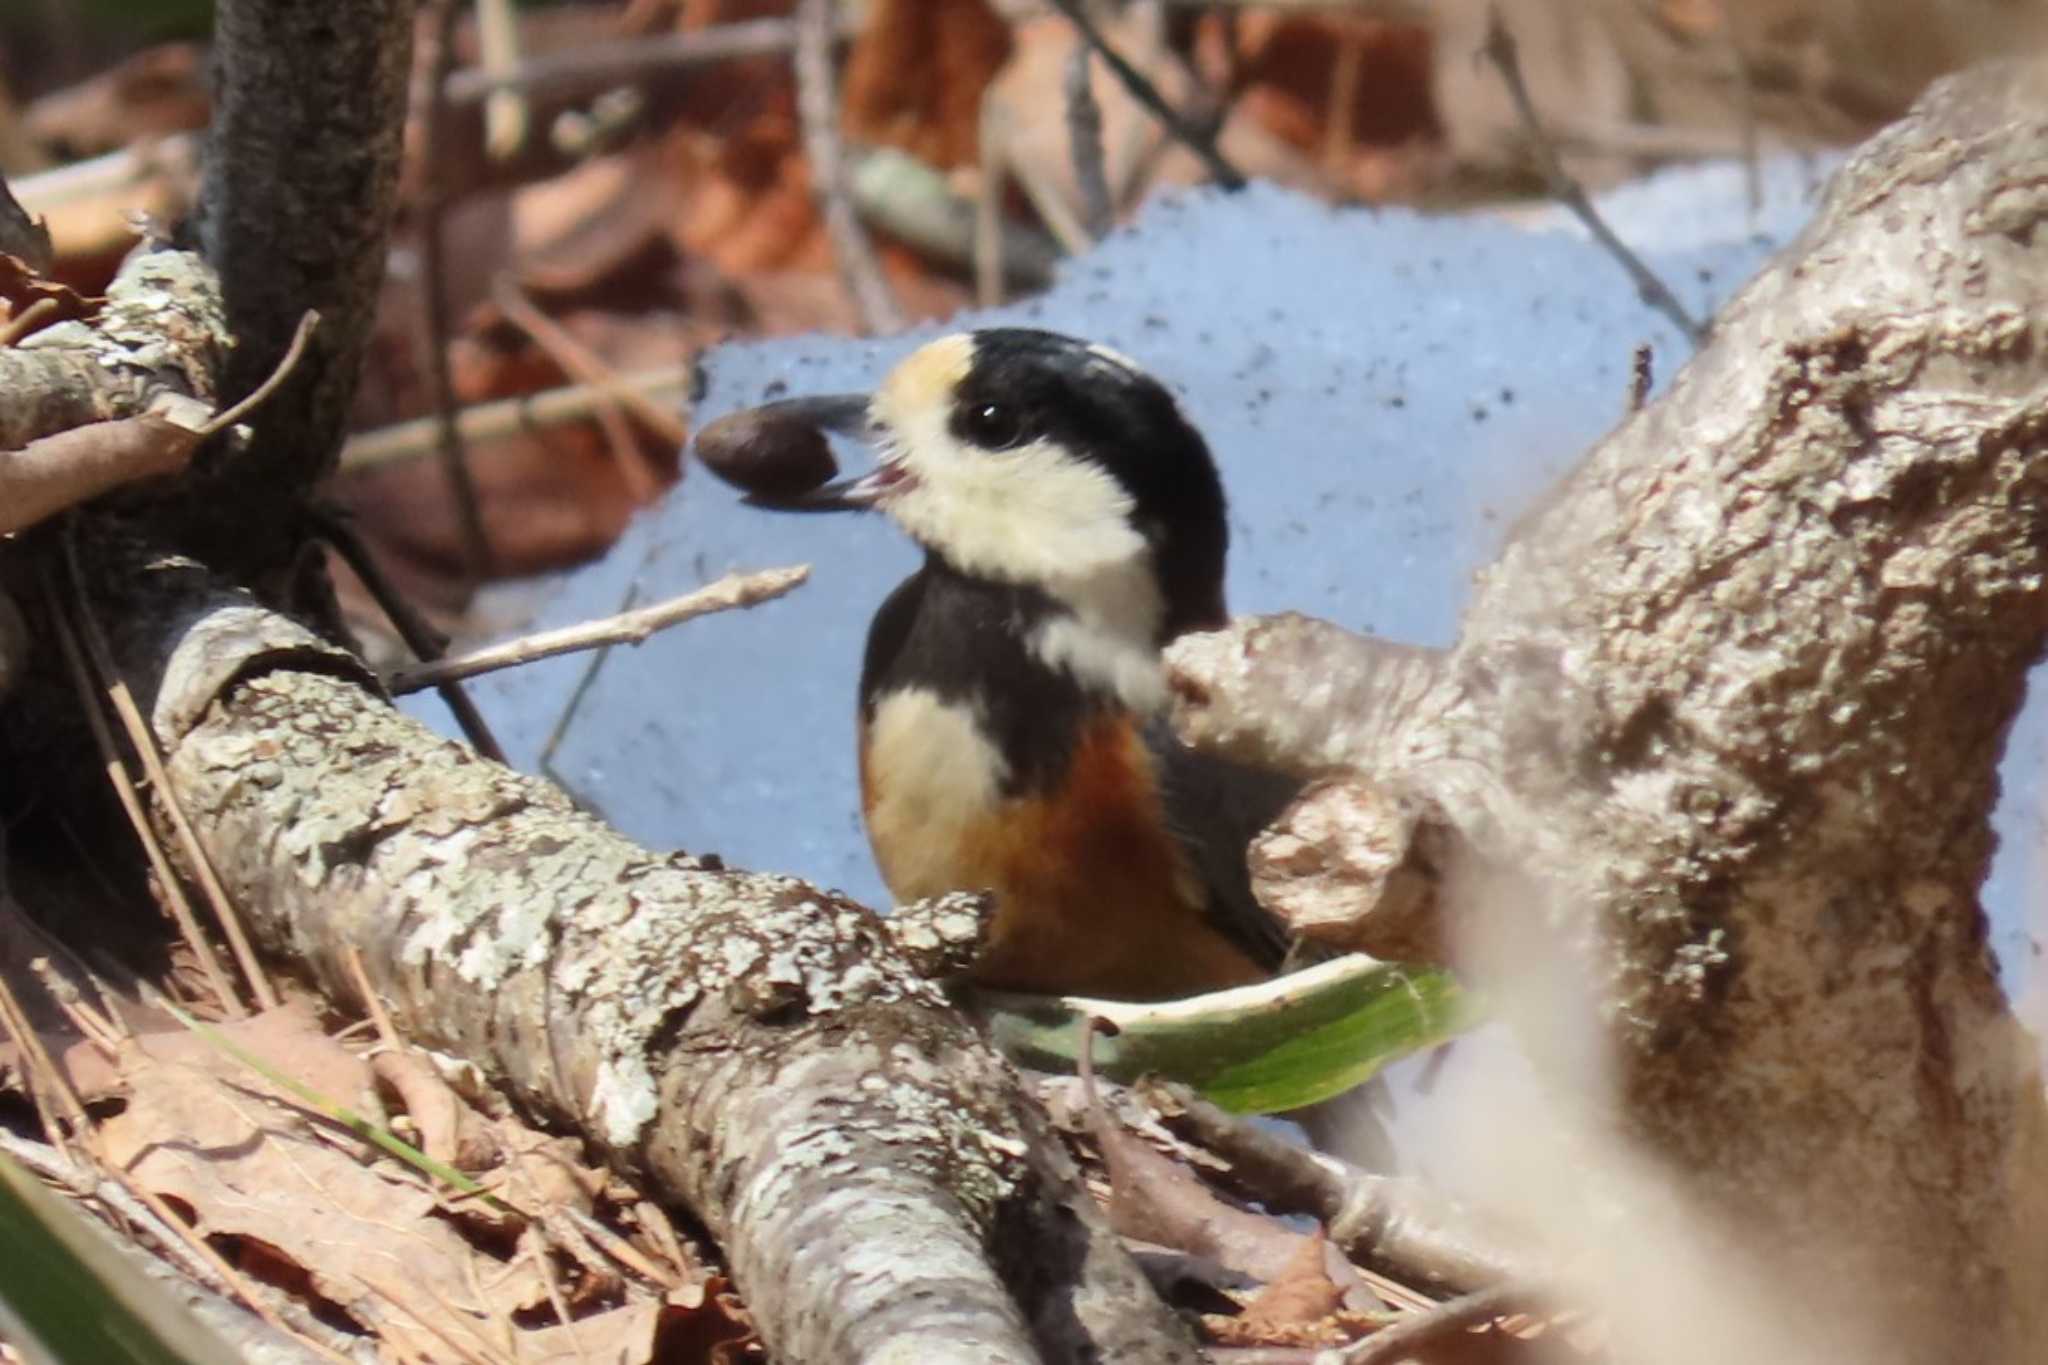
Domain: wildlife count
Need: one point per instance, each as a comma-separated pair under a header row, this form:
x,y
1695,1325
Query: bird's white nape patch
x,y
1108,637
1114,357
930,774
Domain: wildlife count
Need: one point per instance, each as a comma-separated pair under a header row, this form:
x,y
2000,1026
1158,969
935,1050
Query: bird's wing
x,y
1215,807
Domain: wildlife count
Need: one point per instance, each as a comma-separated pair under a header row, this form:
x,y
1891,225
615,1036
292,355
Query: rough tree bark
x,y
295,213
1718,742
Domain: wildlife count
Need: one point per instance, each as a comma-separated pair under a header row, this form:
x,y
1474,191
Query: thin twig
x,y
619,1249
728,593
1500,49
168,881
534,411
1338,120
817,103
604,66
993,131
142,739
1409,1336
83,1016
373,1004
39,1074
437,60
559,731
1387,1224
426,643
1084,142
506,117
582,363
1745,107
1201,143
256,397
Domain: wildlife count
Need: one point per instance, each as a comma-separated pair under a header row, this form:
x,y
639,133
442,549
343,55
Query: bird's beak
x,y
843,495
847,414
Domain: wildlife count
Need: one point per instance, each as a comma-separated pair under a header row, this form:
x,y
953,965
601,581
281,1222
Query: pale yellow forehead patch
x,y
924,380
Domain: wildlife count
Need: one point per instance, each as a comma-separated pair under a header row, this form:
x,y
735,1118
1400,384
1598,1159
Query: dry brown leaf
x,y
22,288
600,229
204,1130
706,1324
749,206
1301,1295
1349,94
622,1334
157,91
915,76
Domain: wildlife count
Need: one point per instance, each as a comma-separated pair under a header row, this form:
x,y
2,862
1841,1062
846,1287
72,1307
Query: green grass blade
x,y
1255,1049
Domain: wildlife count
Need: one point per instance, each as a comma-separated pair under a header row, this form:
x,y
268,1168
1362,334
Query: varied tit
x,y
1073,524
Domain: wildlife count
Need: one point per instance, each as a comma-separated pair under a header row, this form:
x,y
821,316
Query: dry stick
x,y
582,363
124,788
143,740
1084,141
1745,107
817,102
26,321
506,117
621,1250
426,643
1337,124
433,1329
256,397
83,1016
373,1004
1201,143
578,694
39,1073
631,627
537,1252
1363,1212
1409,1336
993,132
1499,49
438,60
550,407
601,66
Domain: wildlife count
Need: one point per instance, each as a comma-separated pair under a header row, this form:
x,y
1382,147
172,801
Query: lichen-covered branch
x,y
1719,741
161,330
756,1048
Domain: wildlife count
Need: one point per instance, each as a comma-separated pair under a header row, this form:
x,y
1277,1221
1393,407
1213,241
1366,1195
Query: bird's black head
x,y
1033,458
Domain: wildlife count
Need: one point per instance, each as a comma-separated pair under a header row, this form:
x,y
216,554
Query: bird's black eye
x,y
992,426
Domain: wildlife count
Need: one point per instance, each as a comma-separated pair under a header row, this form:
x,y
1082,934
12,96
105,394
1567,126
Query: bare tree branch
x,y
302,171
1719,741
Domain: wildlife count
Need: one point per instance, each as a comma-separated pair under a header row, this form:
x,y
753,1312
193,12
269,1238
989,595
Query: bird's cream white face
x,y
1033,514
